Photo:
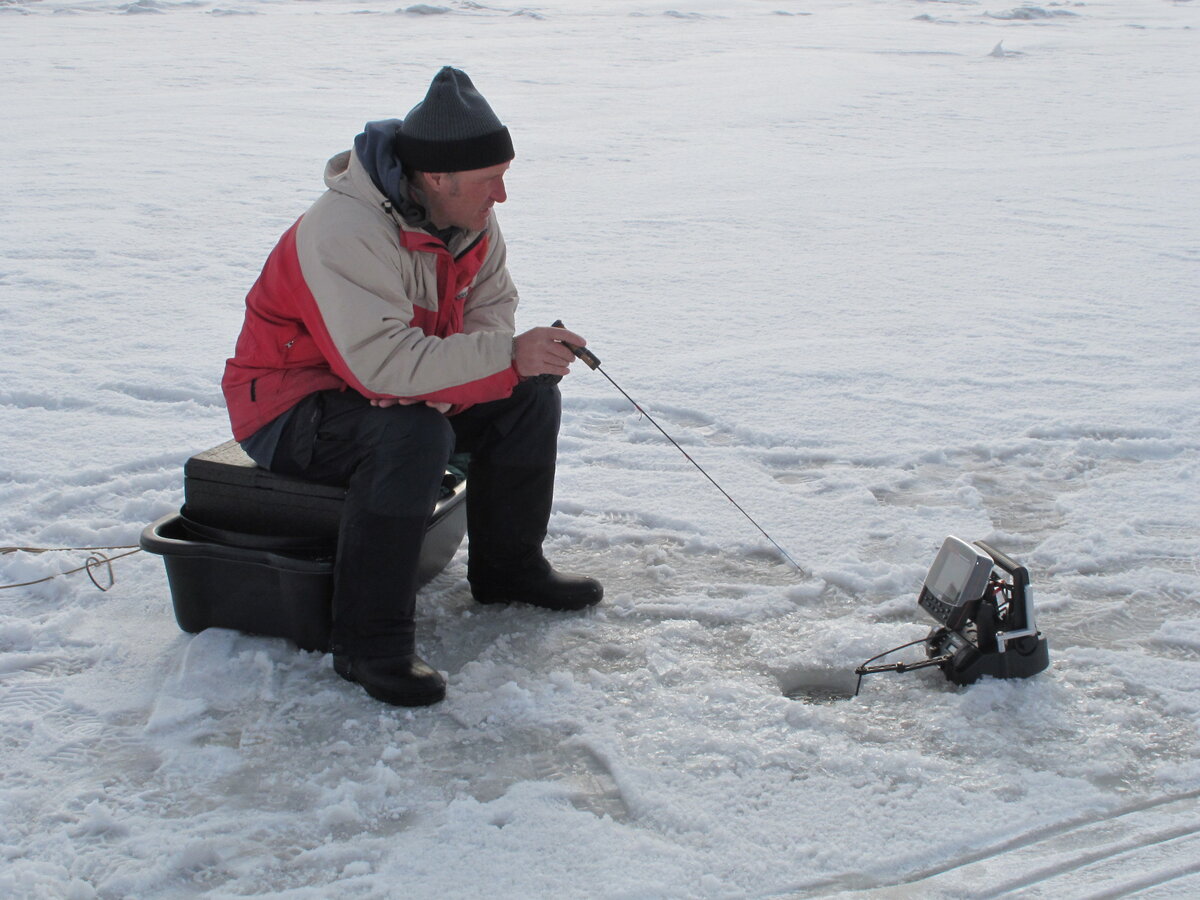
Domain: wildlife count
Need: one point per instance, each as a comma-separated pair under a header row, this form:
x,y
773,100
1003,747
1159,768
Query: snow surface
x,y
890,270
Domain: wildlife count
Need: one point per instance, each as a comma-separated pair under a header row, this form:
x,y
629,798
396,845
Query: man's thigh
x,y
333,432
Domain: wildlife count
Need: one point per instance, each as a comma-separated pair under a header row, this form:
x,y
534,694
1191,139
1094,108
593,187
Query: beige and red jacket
x,y
354,297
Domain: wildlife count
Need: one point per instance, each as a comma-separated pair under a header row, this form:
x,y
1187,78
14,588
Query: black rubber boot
x,y
374,600
508,508
398,680
549,589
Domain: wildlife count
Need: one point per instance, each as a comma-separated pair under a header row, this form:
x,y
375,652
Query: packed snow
x,y
889,270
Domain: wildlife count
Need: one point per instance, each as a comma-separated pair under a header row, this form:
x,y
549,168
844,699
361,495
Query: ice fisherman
x,y
378,340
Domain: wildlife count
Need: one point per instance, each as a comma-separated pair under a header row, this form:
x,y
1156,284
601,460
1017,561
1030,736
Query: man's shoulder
x,y
340,230
337,213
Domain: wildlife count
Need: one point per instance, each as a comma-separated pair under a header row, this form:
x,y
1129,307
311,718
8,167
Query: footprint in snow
x,y
1029,14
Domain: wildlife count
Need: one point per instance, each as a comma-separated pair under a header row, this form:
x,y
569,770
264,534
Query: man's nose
x,y
499,194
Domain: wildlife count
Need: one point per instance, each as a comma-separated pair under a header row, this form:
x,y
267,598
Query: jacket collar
x,y
347,174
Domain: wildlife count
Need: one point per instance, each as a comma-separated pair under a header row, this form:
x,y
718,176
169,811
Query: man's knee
x,y
405,454
533,437
544,402
520,430
399,426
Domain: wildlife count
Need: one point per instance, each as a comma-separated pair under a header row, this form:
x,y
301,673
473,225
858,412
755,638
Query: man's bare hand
x,y
385,402
540,351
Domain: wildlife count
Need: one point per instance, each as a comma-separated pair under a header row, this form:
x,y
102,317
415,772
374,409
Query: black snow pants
x,y
392,460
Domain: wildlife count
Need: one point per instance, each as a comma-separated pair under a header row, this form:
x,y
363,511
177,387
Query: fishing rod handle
x,y
592,360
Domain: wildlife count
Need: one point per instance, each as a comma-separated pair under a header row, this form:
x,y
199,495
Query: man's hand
x,y
385,402
540,351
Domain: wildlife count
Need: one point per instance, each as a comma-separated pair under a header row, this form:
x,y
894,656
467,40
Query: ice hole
x,y
813,685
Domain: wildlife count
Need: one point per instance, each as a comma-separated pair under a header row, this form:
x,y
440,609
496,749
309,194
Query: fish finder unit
x,y
982,601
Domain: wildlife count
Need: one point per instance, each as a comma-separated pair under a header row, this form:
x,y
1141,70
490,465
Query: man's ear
x,y
435,181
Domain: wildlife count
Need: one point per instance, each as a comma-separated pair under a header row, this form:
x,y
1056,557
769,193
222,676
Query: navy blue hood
x,y
376,150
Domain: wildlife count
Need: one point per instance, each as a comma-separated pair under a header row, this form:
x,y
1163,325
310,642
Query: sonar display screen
x,y
957,577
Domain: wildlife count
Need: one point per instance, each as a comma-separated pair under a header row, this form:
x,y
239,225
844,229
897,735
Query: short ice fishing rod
x,y
593,362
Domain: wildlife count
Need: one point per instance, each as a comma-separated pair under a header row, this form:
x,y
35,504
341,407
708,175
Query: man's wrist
x,y
520,377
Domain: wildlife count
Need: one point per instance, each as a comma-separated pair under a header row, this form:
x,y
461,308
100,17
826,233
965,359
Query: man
x,y
379,339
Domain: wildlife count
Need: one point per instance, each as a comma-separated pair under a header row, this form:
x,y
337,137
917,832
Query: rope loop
x,y
97,563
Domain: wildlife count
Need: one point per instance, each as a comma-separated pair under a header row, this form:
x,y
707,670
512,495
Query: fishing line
x,y
593,362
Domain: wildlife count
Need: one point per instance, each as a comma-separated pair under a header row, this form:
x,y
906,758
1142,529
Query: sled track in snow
x,y
1150,844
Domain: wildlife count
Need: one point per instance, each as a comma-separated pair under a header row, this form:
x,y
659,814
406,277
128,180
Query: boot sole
x,y
487,599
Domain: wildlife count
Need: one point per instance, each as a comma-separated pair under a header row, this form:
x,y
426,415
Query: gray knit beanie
x,y
453,129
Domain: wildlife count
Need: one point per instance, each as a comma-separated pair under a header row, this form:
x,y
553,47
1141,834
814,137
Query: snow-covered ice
x,y
890,270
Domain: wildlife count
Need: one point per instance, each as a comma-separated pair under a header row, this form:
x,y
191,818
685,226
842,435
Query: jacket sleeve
x,y
360,315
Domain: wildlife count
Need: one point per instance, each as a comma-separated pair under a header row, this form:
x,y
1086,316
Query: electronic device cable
x,y
867,669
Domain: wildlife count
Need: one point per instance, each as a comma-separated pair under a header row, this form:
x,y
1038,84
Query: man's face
x,y
464,199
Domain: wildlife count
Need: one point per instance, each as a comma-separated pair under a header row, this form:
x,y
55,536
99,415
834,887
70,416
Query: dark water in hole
x,y
818,694
818,686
